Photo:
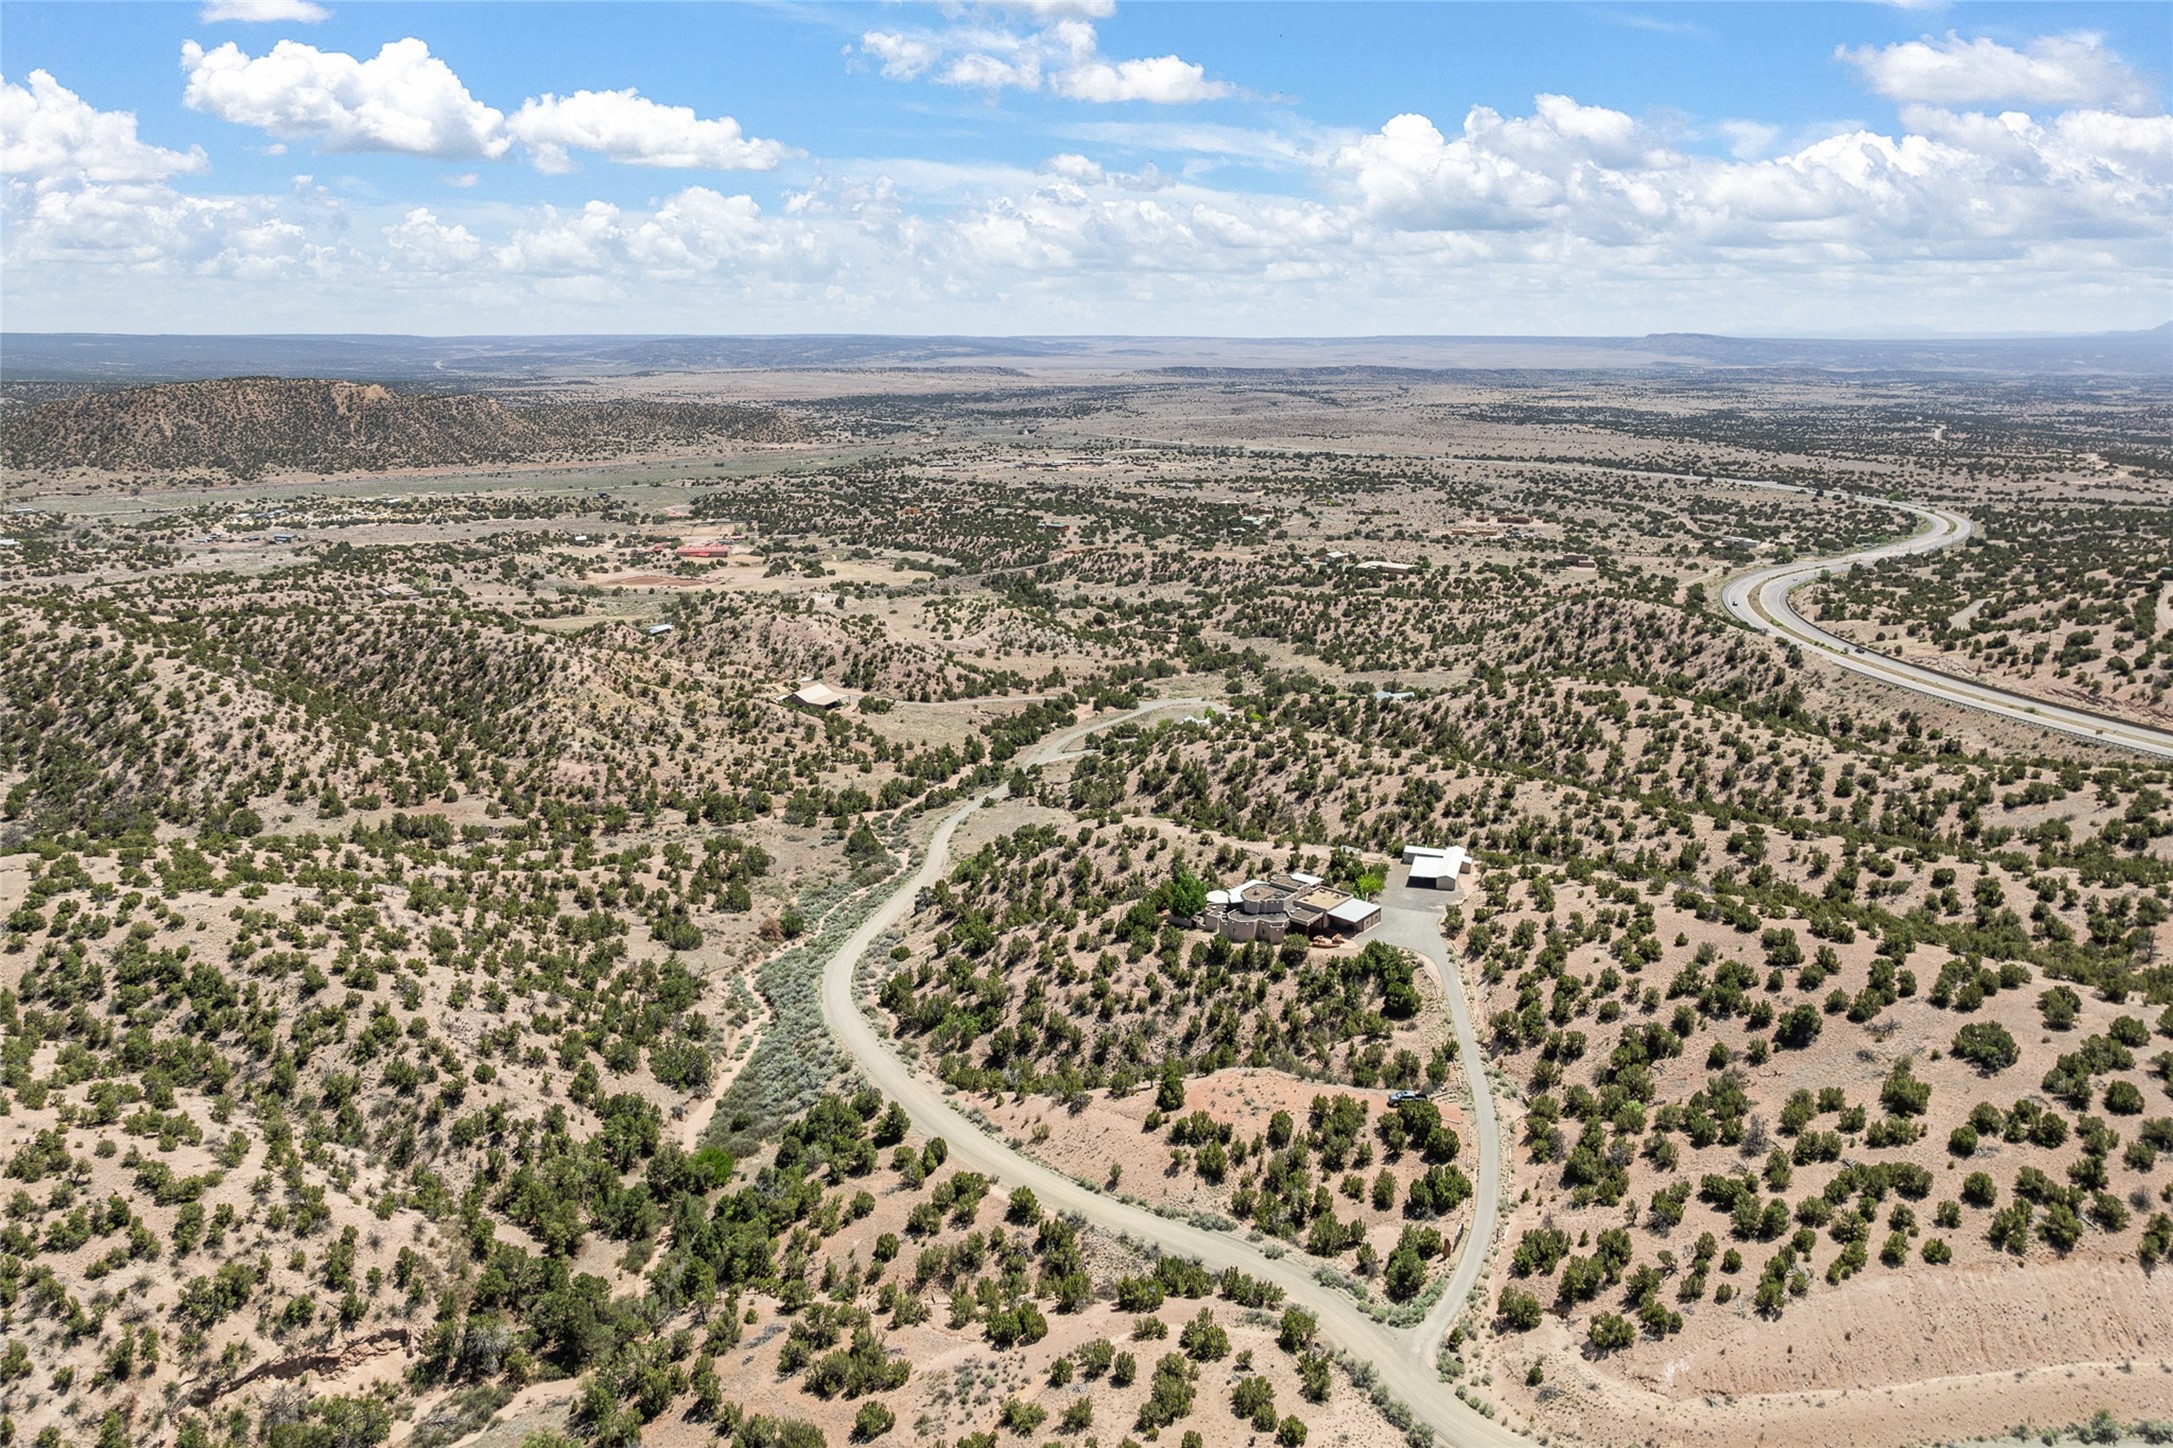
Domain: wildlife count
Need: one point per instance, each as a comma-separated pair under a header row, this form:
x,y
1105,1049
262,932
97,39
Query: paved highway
x,y
1403,1358
1760,599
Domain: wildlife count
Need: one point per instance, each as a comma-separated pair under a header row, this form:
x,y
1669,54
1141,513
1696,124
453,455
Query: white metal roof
x,y
1432,864
1354,911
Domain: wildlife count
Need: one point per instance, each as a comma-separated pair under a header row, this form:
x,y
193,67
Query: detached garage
x,y
818,696
1354,917
1436,869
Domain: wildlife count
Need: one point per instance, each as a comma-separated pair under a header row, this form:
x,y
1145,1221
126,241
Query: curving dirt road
x,y
1760,599
1403,1358
1411,919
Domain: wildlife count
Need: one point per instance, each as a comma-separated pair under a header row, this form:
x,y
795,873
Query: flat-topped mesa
x,y
249,426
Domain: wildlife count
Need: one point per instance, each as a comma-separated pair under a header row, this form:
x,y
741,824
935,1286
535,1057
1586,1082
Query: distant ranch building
x,y
817,696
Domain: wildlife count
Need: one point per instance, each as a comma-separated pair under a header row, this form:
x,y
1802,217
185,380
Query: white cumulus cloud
x,y
421,242
403,99
80,189
976,70
1163,80
1565,216
264,12
1075,168
48,132
1061,9
691,233
1748,140
626,126
1962,181
1063,56
2052,70
1496,175
150,228
903,57
407,101
1082,221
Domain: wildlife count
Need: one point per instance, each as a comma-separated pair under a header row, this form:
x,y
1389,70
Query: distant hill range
x,y
248,426
497,363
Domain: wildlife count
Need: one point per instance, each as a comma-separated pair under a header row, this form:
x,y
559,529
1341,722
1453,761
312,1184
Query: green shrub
x,y
1518,1310
1987,1046
1609,1332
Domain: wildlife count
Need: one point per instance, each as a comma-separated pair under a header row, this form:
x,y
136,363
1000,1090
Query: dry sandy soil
x,y
1109,1136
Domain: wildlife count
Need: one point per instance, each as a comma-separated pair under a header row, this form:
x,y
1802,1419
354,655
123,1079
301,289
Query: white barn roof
x,y
1435,865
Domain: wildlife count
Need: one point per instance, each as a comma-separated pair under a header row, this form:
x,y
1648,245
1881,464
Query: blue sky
x,y
1080,166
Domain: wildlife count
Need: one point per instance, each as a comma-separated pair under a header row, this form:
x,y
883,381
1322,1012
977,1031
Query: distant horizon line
x,y
1899,335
